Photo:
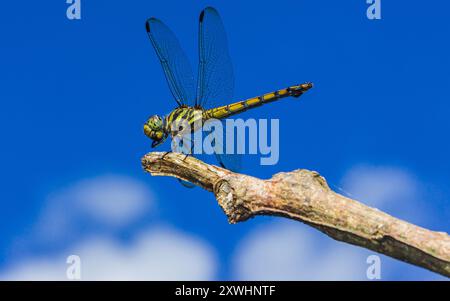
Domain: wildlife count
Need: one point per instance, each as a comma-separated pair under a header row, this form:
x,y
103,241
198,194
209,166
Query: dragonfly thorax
x,y
184,120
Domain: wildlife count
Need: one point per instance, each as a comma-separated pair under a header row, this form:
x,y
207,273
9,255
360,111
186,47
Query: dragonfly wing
x,y
231,161
174,61
213,140
215,81
223,141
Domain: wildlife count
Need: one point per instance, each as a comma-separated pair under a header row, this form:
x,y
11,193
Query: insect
x,y
208,97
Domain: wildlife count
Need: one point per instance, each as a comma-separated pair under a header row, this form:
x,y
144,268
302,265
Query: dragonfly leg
x,y
191,152
165,154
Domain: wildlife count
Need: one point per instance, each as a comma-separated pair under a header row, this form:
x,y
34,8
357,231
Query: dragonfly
x,y
209,97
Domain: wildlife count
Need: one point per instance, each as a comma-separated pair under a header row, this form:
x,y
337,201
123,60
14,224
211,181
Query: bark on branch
x,y
304,195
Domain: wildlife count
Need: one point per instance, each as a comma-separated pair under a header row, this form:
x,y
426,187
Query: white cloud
x,y
157,254
109,200
378,185
286,250
390,189
112,199
71,223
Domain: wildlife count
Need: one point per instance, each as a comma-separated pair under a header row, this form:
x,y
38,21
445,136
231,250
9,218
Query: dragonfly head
x,y
154,129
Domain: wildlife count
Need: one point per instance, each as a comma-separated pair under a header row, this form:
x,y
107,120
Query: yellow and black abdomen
x,y
242,106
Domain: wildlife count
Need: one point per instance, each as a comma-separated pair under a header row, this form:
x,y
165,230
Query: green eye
x,y
155,123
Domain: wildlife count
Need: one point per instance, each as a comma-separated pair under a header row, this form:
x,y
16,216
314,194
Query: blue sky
x,y
76,93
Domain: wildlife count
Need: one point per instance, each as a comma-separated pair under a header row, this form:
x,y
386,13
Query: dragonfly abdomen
x,y
242,106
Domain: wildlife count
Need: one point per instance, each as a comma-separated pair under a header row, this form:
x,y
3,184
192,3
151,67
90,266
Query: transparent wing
x,y
224,142
211,143
215,81
174,62
227,159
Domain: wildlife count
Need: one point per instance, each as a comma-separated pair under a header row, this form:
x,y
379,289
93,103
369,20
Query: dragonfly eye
x,y
155,123
154,128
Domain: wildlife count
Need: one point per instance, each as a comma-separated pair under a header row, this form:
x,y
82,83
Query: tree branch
x,y
304,195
